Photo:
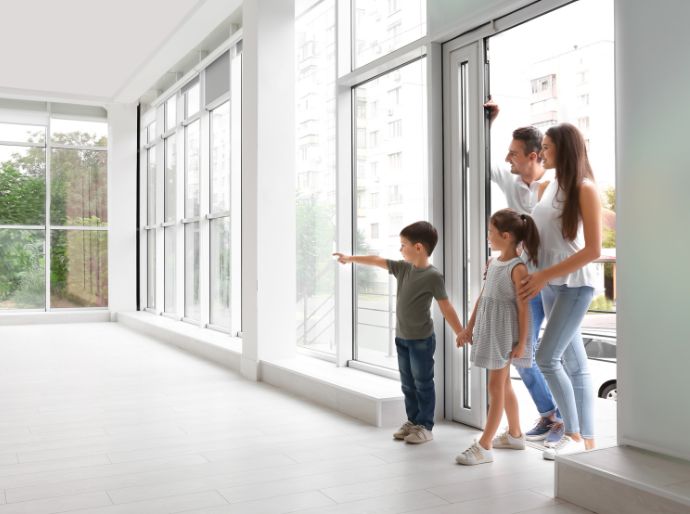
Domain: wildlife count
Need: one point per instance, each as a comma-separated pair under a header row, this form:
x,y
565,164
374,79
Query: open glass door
x,y
465,217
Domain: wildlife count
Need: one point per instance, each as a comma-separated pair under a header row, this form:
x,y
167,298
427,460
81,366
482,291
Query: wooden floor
x,y
96,418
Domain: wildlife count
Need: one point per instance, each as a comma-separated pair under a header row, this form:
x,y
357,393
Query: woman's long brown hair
x,y
572,167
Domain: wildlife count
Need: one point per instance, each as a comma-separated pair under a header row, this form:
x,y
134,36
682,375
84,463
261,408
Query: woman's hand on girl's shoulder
x,y
531,285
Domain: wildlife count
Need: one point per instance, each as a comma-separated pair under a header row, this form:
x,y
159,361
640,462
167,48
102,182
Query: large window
x,y
193,197
362,171
392,167
64,235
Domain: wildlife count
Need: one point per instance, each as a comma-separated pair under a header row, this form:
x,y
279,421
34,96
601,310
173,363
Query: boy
x,y
418,283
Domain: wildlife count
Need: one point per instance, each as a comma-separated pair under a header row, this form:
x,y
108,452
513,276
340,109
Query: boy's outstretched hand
x,y
342,258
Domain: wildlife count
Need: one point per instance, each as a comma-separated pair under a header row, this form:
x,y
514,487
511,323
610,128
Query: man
x,y
520,184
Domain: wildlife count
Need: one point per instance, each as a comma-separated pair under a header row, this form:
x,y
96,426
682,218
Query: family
x,y
546,241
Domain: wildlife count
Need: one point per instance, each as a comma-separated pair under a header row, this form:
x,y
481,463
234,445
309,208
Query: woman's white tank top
x,y
554,248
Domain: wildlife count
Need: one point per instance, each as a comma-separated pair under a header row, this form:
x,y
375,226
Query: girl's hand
x,y
342,258
518,352
464,336
531,285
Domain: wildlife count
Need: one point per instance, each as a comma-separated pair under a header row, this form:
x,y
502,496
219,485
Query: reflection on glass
x,y
170,112
316,179
78,187
381,26
192,194
19,133
220,158
191,271
391,192
78,268
152,132
151,269
22,269
220,279
169,204
192,100
78,132
170,284
22,185
151,186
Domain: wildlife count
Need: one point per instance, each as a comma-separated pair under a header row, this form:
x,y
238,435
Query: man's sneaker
x,y
539,431
403,431
505,440
555,435
565,446
418,435
475,454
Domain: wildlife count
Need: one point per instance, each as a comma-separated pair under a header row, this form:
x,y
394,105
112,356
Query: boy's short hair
x,y
421,232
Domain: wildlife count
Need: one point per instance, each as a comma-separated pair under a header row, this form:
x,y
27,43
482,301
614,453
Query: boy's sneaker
x,y
565,446
403,431
505,440
418,435
555,435
475,454
540,430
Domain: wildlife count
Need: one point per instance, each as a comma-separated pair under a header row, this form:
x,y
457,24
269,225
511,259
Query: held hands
x,y
464,336
531,285
342,258
518,351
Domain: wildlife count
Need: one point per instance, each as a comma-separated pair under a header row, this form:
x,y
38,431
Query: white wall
x,y
122,206
653,112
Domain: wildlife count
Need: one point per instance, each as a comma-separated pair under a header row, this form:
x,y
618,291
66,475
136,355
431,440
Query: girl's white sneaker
x,y
475,454
505,440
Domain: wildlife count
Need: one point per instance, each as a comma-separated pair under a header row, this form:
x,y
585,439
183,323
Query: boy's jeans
x,y
532,377
416,365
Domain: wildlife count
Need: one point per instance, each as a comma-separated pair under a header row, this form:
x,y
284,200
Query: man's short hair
x,y
531,137
421,232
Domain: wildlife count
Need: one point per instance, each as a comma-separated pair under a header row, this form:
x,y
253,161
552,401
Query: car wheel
x,y
609,392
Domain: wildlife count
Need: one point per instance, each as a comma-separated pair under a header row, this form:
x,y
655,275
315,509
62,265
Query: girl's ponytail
x,y
530,239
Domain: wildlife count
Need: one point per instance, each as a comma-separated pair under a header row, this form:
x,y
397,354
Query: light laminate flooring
x,y
95,418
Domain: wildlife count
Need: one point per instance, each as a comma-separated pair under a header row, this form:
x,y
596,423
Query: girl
x,y
568,217
502,331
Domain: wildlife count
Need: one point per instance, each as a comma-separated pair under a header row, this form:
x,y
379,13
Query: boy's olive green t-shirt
x,y
416,288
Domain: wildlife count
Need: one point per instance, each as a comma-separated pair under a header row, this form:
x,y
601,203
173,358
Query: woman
x,y
568,216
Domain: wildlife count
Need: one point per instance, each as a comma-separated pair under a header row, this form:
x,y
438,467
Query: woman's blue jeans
x,y
532,377
562,358
416,365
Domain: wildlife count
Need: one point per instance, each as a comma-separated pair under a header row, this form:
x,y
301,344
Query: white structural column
x,y
268,180
122,206
652,113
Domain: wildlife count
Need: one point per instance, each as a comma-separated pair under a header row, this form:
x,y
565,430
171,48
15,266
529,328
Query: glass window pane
x,y
22,269
151,269
77,132
170,112
22,185
151,187
151,130
220,282
392,187
16,133
192,100
170,178
78,187
191,271
220,158
192,194
382,26
169,235
316,179
78,268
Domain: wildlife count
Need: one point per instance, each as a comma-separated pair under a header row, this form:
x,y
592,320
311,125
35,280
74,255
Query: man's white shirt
x,y
519,196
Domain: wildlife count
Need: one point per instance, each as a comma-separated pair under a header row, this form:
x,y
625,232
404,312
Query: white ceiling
x,y
97,51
